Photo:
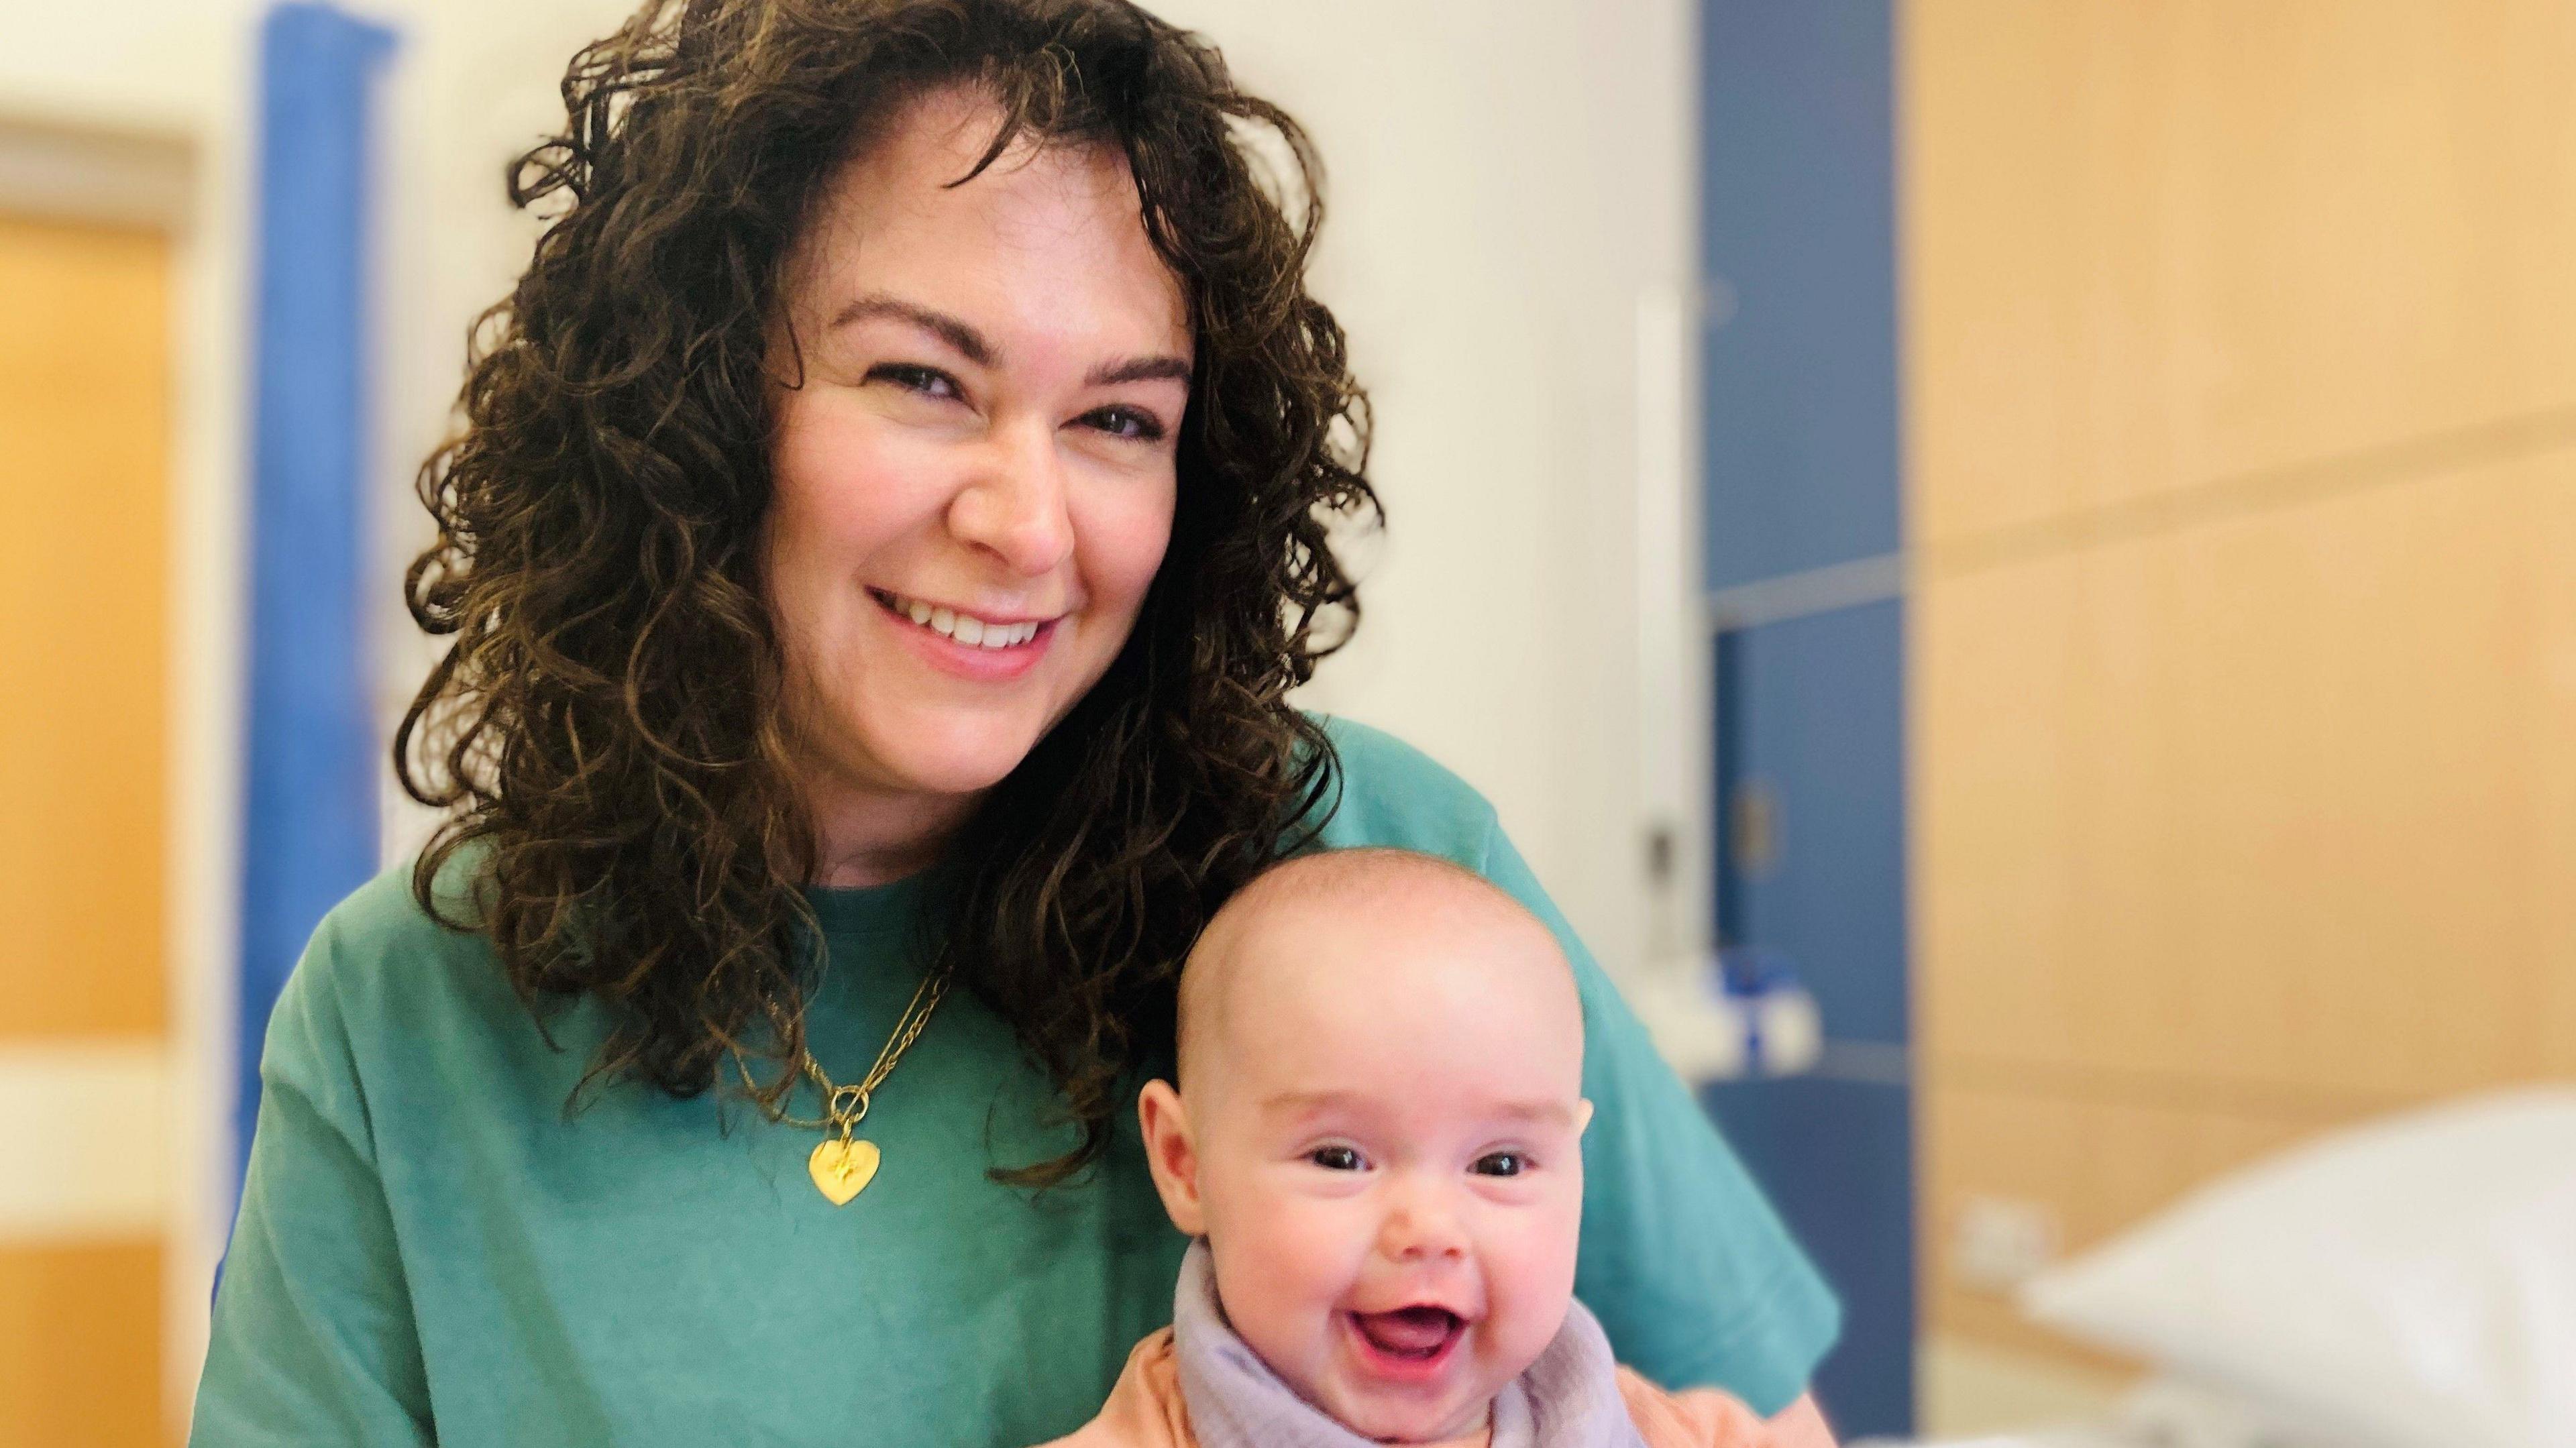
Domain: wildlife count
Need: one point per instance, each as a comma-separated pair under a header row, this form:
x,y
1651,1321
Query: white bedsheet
x,y
2163,1414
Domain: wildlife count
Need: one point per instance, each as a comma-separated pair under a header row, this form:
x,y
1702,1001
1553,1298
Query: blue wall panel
x,y
309,805
1837,1158
1812,719
1798,241
1799,354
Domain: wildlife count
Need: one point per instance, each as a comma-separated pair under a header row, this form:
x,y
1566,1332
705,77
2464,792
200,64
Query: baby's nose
x,y
1420,1224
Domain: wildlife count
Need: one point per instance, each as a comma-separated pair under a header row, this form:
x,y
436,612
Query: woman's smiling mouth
x,y
965,645
965,628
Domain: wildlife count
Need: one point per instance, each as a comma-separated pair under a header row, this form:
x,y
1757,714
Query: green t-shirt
x,y
428,1248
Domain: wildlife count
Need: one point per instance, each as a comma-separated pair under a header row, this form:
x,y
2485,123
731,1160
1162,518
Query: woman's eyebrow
x,y
971,344
954,331
1138,369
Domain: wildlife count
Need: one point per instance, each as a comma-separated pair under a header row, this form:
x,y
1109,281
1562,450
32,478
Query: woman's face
x,y
974,484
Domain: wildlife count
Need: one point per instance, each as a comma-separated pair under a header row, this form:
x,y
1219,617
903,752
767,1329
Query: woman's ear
x,y
1172,1155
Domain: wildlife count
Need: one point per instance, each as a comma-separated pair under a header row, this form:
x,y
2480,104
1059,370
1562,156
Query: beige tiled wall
x,y
2240,349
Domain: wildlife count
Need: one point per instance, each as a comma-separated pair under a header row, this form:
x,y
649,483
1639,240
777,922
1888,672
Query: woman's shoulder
x,y
381,956
1386,792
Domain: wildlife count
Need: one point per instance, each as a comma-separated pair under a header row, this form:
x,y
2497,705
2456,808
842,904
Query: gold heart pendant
x,y
843,1169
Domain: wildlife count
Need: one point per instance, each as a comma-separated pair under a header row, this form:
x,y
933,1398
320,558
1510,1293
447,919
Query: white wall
x,y
1507,182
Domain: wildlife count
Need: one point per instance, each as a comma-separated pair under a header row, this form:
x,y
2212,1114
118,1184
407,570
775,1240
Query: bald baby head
x,y
1343,920
1378,1131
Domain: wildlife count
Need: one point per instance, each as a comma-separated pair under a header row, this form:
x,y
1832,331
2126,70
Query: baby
x,y
1376,1138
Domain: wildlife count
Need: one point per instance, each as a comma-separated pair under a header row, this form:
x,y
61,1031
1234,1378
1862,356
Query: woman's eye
x,y
1501,1164
928,381
1127,422
1335,1158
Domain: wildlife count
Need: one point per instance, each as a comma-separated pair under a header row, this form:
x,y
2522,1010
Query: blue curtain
x,y
309,832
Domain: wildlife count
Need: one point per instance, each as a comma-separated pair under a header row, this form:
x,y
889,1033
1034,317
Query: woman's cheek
x,y
1125,531
852,478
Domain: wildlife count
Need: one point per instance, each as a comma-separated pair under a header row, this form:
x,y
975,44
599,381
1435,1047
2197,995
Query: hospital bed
x,y
2406,1283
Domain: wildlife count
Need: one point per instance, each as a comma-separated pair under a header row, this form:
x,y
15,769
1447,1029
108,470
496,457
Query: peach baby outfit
x,y
1196,1384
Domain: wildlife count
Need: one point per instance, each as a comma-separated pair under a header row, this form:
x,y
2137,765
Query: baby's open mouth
x,y
1410,1334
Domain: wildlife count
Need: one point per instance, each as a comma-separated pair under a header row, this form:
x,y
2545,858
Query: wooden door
x,y
84,743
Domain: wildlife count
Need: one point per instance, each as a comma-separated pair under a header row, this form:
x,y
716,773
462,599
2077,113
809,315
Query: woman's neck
x,y
865,836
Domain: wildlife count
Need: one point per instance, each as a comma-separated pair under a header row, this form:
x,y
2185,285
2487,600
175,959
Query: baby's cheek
x,y
1300,1256
1531,1281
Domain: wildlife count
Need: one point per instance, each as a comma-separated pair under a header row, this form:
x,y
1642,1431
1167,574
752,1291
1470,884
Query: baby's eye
x,y
1335,1158
1501,1164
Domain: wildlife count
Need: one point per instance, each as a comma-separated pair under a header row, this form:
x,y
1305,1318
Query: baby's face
x,y
1387,1142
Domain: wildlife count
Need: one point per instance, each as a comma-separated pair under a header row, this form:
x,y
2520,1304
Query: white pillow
x,y
2409,1283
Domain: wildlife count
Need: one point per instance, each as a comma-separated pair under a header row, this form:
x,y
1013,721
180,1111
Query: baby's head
x,y
1377,1129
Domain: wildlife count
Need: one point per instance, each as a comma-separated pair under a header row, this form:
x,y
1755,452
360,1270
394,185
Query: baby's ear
x,y
1582,1116
1172,1154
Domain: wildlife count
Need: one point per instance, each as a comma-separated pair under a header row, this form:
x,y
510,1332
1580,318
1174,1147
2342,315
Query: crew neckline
x,y
868,910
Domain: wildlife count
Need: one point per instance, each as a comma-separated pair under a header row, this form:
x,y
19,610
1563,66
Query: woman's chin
x,y
961,778
950,758
914,755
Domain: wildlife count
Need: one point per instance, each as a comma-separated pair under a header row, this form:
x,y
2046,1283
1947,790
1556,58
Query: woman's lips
x,y
965,646
1410,1345
965,628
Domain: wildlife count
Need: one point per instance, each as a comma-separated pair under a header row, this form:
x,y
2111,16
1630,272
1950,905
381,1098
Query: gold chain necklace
x,y
842,1166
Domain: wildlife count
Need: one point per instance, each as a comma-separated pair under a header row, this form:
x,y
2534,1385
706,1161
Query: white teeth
x,y
964,628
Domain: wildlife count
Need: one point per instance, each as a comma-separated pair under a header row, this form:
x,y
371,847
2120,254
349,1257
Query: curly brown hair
x,y
606,726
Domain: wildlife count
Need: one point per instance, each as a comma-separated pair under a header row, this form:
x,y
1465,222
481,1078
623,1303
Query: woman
x,y
889,516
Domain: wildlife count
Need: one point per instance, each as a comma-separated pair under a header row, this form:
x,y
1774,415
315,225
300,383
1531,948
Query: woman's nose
x,y
1014,505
